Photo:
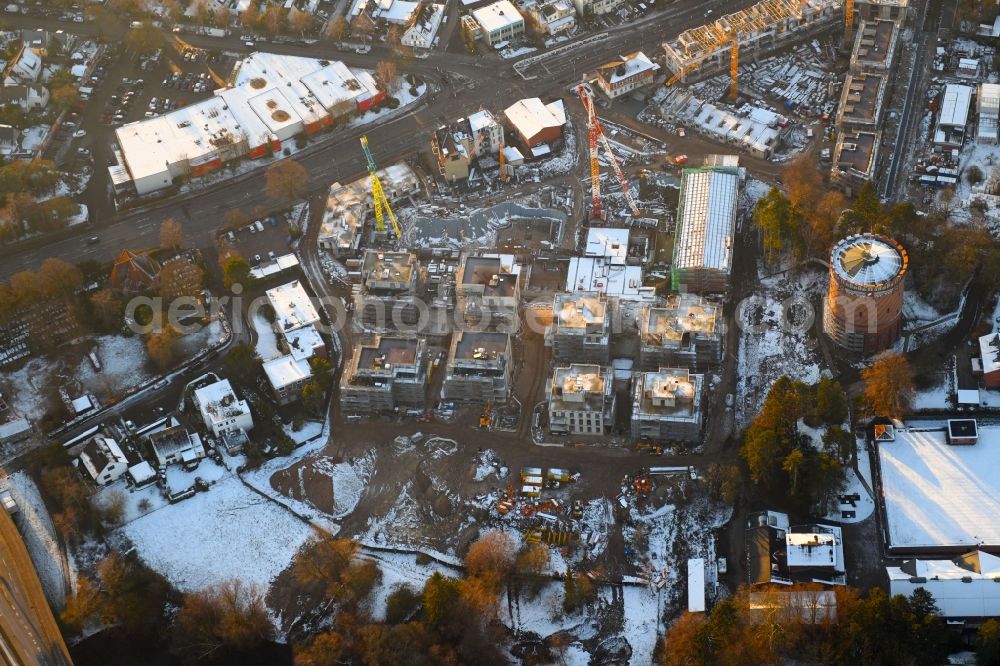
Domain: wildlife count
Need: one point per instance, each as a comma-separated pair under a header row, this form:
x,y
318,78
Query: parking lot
x,y
261,240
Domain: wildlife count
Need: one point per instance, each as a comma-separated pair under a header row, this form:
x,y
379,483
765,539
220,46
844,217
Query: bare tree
x,y
286,181
171,234
230,615
388,73
336,28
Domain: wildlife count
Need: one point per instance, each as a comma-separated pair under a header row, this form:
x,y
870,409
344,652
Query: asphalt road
x,y
28,631
473,82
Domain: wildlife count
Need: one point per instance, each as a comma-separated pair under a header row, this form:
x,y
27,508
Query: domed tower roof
x,y
868,260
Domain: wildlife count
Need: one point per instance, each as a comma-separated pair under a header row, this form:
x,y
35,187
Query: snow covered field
x,y
775,340
941,495
228,532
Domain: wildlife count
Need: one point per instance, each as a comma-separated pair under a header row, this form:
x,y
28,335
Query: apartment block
x,y
686,332
387,298
580,328
581,400
391,372
487,290
479,368
667,405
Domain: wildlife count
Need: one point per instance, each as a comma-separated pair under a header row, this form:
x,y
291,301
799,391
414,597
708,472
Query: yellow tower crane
x,y
379,195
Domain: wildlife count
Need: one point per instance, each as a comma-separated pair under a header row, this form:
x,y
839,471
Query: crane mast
x,y
380,200
595,133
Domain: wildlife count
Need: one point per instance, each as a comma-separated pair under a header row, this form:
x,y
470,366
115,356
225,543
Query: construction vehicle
x,y
484,418
381,202
594,133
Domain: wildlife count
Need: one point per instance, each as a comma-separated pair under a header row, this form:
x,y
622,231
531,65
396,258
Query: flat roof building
x,y
964,587
581,400
780,554
686,332
861,102
287,376
479,368
487,289
875,46
988,111
706,226
221,410
292,306
666,405
385,375
387,298
581,328
939,495
854,160
499,22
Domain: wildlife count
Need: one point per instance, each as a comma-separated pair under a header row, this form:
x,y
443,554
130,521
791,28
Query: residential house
x,y
424,27
221,410
587,9
626,74
28,96
964,588
175,444
103,460
553,16
780,554
989,360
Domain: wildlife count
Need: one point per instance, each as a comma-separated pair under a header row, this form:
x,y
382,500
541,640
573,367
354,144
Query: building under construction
x,y
666,405
686,332
706,228
479,368
387,297
864,306
581,328
759,30
384,375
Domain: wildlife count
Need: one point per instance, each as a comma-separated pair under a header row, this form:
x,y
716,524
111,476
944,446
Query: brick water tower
x,y
864,307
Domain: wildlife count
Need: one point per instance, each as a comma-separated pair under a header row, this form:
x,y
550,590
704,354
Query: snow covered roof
x,y
333,84
626,67
218,402
529,116
481,120
82,404
955,105
394,11
696,585
292,307
811,549
596,274
142,472
14,428
941,496
706,219
867,260
988,99
965,586
286,370
989,350
497,16
609,243
303,342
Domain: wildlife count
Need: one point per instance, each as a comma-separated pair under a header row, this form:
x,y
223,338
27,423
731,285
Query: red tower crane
x,y
595,132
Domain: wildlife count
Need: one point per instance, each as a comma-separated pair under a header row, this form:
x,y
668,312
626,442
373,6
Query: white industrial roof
x,y
598,275
866,260
958,591
696,585
333,84
955,105
529,116
481,120
286,370
707,220
497,16
989,99
938,495
292,307
609,243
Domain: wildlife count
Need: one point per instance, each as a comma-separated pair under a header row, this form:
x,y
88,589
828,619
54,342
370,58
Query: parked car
x,y
79,134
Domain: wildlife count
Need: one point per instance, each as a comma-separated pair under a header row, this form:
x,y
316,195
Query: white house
x,y
221,410
176,445
421,34
103,460
26,68
589,8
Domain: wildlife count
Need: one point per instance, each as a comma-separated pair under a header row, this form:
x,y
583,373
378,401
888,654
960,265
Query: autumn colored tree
x,y
312,398
440,597
171,234
250,18
889,385
273,19
235,218
83,606
388,73
228,617
58,279
336,28
686,642
144,39
162,348
777,220
299,22
135,597
723,482
491,558
331,565
286,181
325,649
988,643
235,271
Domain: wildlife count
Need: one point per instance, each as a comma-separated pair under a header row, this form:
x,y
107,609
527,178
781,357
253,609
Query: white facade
x,y
588,8
221,410
421,34
103,460
965,587
954,115
499,22
626,74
